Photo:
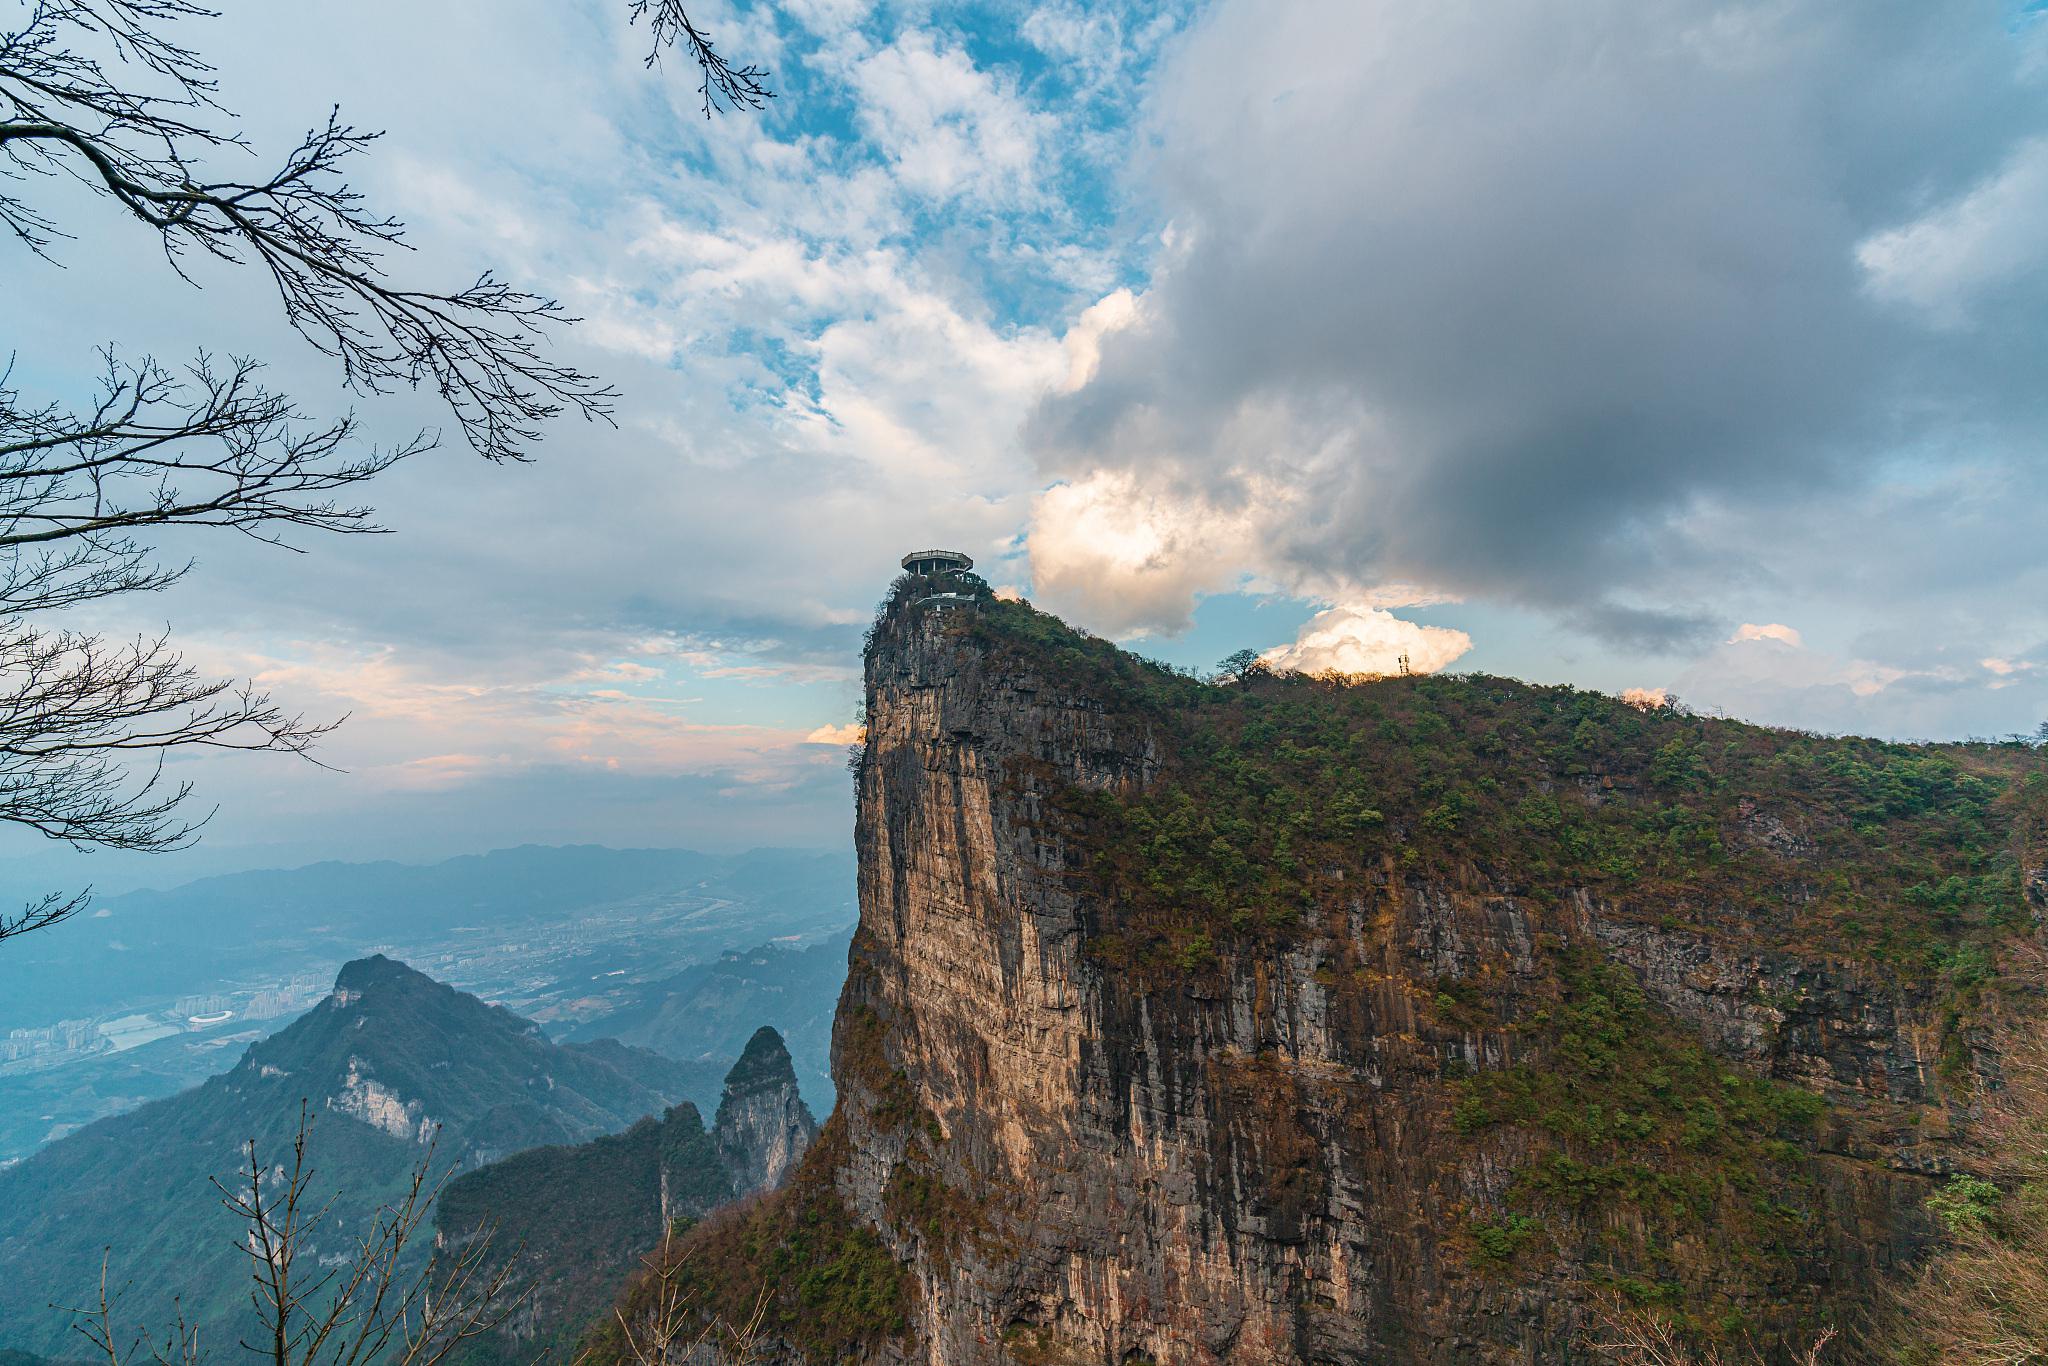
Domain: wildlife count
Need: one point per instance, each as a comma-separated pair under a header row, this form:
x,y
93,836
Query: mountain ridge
x,y
389,1062
1299,1019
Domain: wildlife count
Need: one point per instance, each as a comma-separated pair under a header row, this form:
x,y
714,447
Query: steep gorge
x,y
1414,1020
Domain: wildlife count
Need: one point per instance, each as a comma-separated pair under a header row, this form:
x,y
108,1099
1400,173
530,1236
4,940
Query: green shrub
x,y
1965,1202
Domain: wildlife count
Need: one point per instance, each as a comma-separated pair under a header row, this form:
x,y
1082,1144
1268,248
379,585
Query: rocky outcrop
x,y
1387,1119
1833,1025
763,1125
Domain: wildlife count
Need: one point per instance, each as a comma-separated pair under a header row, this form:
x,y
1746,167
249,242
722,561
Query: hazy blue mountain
x,y
153,992
387,1060
272,924
708,1012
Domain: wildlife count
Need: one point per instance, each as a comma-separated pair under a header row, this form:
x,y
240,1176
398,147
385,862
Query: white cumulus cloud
x,y
1774,630
1349,639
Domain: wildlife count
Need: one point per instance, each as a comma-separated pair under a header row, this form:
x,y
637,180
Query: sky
x,y
1669,346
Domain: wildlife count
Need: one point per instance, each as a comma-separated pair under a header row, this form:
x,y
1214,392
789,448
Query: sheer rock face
x,y
1260,1166
763,1126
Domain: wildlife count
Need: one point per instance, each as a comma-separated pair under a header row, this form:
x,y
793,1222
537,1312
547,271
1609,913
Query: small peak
x,y
374,973
766,1043
765,1059
763,1125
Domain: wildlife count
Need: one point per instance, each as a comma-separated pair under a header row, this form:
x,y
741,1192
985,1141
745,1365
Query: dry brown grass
x,y
1633,1338
1983,1299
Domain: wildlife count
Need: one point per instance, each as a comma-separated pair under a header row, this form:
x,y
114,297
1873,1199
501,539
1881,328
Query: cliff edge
x,y
1297,1020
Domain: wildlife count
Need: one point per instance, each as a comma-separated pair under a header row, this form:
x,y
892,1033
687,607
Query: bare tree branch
x,y
75,707
211,448
80,492
64,112
104,93
721,85
43,913
672,1328
1634,1337
382,1303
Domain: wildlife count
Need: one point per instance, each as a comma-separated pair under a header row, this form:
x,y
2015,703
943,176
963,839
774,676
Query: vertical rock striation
x,y
763,1125
1319,1144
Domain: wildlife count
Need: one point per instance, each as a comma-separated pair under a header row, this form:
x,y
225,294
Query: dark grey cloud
x,y
1508,297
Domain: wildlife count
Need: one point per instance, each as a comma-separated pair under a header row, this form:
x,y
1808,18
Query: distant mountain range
x,y
390,1059
272,924
579,1219
708,1011
120,1006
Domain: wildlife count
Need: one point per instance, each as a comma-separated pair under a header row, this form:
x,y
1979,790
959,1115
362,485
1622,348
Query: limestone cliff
x,y
763,1125
1408,1021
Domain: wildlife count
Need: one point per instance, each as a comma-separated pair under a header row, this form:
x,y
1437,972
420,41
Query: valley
x,y
391,1069
566,937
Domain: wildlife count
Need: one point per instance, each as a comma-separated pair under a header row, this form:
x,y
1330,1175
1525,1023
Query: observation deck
x,y
937,562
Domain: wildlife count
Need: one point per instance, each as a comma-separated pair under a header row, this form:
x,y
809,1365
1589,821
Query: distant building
x,y
937,562
953,569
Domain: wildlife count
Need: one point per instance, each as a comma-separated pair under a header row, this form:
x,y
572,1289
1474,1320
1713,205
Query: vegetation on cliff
x,y
1983,1300
1905,854
796,1264
1635,1151
1624,1113
1347,951
1277,793
573,1222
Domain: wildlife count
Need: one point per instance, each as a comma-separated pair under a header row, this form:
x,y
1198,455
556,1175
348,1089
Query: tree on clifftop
x,y
107,94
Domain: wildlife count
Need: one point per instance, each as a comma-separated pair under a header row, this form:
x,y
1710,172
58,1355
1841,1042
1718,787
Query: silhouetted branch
x,y
211,448
78,489
722,85
104,93
42,914
76,707
64,112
